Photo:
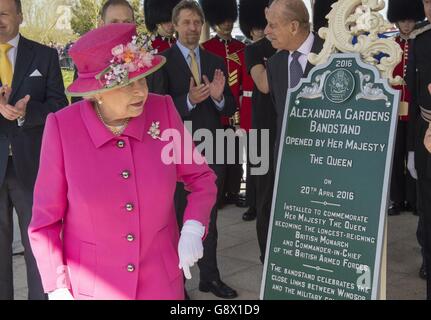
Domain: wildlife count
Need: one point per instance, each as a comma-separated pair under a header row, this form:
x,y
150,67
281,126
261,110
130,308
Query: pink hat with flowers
x,y
110,57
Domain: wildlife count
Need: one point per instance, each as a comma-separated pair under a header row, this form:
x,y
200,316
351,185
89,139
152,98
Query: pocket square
x,y
36,73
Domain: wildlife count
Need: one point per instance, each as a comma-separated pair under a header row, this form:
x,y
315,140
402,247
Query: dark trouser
x,y
420,211
208,264
232,182
403,186
250,188
250,185
424,186
423,167
12,194
264,191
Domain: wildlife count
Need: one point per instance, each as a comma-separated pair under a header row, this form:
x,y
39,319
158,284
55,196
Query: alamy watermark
x,y
226,146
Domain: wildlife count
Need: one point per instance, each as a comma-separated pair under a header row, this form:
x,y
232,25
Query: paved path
x,y
238,258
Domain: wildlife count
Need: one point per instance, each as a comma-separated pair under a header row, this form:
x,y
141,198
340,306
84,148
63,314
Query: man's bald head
x,y
288,24
295,10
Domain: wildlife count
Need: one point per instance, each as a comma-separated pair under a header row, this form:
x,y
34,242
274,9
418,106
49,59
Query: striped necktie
x,y
295,70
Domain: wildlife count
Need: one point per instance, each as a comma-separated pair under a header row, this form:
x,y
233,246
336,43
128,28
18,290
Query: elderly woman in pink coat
x,y
104,225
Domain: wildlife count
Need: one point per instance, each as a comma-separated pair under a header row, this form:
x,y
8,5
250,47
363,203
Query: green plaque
x,y
330,196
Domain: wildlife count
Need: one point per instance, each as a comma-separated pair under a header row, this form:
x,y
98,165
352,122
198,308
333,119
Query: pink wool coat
x,y
104,223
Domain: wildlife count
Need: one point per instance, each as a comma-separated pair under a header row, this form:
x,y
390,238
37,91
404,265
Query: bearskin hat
x,y
405,10
252,15
218,11
158,11
320,11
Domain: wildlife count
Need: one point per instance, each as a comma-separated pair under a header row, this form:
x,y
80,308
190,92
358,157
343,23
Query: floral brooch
x,y
154,130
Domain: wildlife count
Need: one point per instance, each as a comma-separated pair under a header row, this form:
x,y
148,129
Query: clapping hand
x,y
9,112
199,93
5,92
216,87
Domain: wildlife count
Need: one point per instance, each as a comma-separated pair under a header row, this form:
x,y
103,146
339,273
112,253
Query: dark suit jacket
x,y
278,78
418,78
47,95
176,76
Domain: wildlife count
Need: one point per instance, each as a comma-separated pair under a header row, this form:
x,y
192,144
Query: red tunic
x,y
163,43
229,50
400,70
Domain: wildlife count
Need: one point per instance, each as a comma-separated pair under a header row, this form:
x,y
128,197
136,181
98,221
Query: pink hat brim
x,y
82,87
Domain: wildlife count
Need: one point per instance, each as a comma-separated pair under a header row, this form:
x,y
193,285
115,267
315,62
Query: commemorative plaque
x,y
330,194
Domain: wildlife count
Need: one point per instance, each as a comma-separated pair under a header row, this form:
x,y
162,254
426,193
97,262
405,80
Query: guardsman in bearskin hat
x,y
245,110
248,13
405,14
321,8
158,21
221,16
419,159
252,23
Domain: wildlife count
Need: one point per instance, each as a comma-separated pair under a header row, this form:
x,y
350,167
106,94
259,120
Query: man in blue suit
x,y
31,88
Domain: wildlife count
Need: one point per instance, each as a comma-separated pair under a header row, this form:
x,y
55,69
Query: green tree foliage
x,y
41,17
139,15
40,21
85,15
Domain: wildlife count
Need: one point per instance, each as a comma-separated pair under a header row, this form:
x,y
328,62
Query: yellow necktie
x,y
194,67
6,72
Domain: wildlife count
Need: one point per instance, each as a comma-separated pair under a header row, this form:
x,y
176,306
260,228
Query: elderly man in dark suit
x,y
196,80
31,87
288,29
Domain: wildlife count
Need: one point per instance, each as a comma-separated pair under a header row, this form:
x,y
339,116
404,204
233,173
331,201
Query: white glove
x,y
190,248
411,165
60,294
427,139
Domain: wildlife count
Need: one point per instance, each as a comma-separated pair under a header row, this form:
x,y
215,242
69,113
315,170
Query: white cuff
x,y
219,105
20,121
189,104
194,227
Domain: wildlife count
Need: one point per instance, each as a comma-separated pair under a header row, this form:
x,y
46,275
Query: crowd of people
x,y
102,214
63,54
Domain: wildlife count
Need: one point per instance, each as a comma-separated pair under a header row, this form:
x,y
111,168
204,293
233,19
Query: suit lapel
x,y
182,62
205,70
23,61
284,77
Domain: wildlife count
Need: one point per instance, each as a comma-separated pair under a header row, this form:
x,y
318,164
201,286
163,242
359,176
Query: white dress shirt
x,y
11,54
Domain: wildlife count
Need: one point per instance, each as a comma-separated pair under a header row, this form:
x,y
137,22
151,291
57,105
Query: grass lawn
x,y
67,78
